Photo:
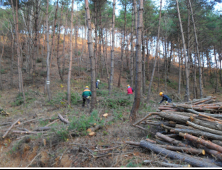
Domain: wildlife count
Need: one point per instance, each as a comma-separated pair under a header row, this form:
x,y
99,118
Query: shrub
x,y
60,98
3,71
39,60
30,97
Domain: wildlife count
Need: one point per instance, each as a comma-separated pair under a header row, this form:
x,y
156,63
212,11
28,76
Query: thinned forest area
x,y
50,50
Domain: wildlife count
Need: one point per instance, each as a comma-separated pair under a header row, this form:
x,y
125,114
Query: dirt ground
x,y
46,150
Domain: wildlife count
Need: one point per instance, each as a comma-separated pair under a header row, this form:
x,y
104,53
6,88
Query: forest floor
x,y
70,145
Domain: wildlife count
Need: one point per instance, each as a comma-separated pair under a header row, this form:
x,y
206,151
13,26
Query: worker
x,y
97,84
86,96
165,97
129,90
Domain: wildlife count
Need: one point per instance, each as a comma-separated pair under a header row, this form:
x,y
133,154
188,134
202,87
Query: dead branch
x,y
10,128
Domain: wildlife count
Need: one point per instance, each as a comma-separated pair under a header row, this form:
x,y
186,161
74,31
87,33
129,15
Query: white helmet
x,y
98,80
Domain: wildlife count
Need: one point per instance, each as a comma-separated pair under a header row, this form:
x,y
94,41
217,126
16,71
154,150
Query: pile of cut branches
x,y
189,132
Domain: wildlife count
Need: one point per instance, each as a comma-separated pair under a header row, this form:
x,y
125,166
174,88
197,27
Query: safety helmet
x,y
128,85
98,80
161,93
87,87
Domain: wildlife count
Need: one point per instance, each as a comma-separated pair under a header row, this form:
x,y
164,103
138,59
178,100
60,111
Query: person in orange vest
x,y
129,90
86,96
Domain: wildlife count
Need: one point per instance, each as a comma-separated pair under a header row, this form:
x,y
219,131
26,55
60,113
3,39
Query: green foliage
x,y
39,60
114,103
3,71
30,97
61,98
102,93
131,164
173,84
79,125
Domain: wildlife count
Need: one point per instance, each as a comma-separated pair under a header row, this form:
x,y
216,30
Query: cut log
x,y
164,164
197,133
174,155
62,119
217,142
10,128
184,149
204,128
170,140
214,153
212,125
208,114
203,142
183,127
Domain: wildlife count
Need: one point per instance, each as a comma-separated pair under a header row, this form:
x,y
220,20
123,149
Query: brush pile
x,y
190,132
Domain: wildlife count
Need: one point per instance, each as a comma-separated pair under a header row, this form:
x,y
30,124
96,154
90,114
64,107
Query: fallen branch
x,y
25,132
10,128
42,129
33,159
62,119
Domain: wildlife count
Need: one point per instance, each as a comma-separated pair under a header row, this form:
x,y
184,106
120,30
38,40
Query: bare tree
x,y
112,51
137,98
48,52
198,53
70,58
184,53
156,55
92,59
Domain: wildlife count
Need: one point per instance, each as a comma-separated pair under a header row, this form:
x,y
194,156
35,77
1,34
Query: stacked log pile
x,y
190,132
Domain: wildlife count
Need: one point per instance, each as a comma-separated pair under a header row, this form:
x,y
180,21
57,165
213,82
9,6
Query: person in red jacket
x,y
129,90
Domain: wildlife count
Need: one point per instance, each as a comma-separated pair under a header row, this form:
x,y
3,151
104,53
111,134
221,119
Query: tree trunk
x,y
15,17
132,52
156,55
58,57
112,51
137,98
3,48
184,51
70,59
198,53
92,59
35,39
64,47
48,53
95,45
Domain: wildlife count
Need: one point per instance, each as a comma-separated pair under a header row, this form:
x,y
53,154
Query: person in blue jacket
x,y
165,97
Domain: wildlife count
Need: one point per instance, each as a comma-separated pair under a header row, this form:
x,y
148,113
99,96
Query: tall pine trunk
x,y
70,59
156,55
184,51
112,51
48,52
198,53
137,98
92,59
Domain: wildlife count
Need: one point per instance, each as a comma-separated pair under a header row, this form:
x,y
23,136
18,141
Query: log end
x,y
203,152
191,118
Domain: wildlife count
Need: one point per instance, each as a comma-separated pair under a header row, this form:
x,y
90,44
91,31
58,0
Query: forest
x,y
51,51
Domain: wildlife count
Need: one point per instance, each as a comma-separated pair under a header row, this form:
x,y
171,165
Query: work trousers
x,y
84,101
